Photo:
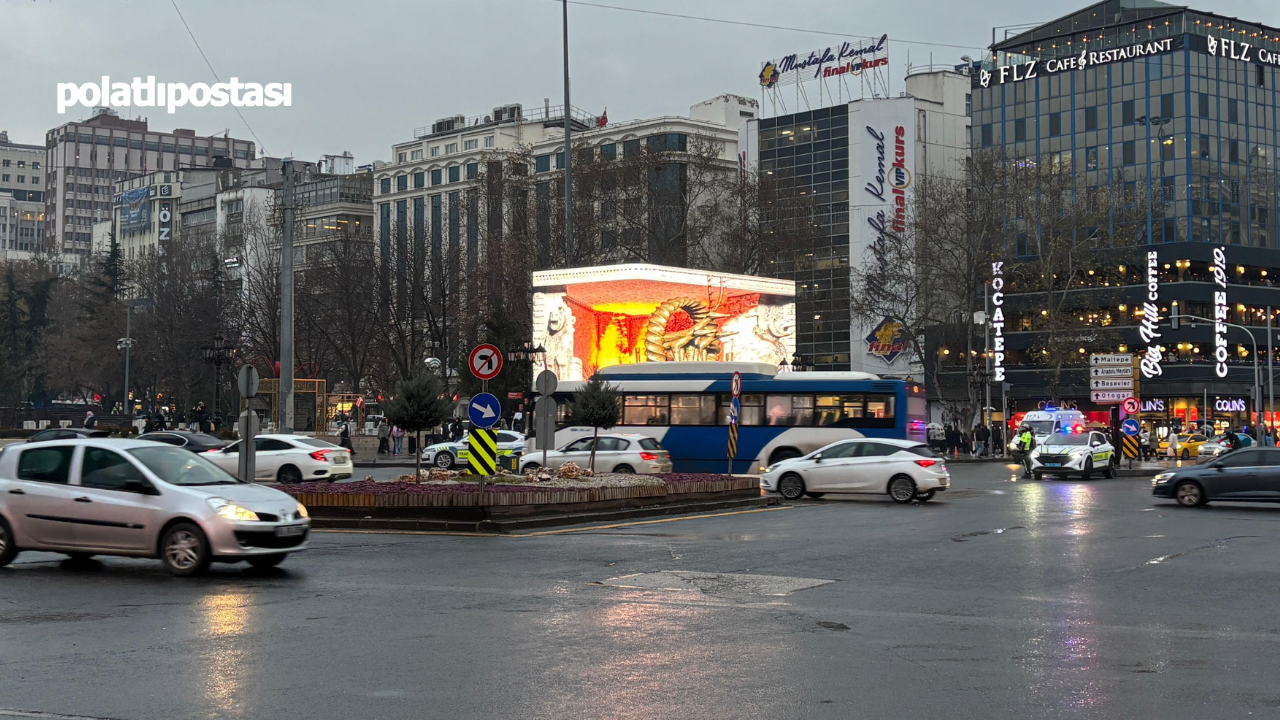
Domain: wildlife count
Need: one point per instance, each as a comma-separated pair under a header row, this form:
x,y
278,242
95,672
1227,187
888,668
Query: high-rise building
x,y
83,160
858,161
21,198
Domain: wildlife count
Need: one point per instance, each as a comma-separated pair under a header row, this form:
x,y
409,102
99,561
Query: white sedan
x,y
905,470
446,455
615,452
288,459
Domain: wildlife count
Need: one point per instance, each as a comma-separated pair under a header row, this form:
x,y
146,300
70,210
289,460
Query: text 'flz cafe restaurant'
x,y
1182,106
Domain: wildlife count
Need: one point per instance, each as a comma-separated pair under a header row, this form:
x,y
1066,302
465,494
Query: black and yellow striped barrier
x,y
482,451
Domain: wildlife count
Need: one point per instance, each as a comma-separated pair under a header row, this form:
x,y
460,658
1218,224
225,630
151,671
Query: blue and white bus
x,y
685,406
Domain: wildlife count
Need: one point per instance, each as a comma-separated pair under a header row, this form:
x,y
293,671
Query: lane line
x,y
540,533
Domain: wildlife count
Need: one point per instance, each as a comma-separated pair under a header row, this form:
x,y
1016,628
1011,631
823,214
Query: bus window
x,y
645,410
693,409
828,409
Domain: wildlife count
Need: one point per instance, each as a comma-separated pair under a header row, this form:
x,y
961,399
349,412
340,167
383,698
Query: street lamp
x,y
218,353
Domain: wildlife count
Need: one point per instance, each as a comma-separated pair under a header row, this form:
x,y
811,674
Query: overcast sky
x,y
366,73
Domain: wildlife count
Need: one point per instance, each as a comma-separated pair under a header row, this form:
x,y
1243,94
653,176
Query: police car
x,y
1075,451
446,455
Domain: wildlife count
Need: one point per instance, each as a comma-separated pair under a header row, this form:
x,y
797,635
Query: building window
x,y
384,185
1091,118
402,183
986,135
473,170
470,144
1130,153
436,177
488,141
1233,111
1202,105
455,173
1019,130
542,163
435,151
451,148
419,179
1166,105
416,155
1055,124
1127,112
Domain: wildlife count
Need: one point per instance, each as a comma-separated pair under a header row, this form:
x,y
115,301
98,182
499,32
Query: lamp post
x,y
1257,371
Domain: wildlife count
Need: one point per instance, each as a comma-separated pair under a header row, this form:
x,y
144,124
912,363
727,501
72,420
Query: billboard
x,y
590,318
881,172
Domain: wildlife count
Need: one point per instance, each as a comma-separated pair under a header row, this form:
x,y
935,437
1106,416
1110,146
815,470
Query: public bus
x,y
685,406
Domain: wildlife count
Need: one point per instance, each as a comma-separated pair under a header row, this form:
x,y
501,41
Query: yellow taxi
x,y
1188,445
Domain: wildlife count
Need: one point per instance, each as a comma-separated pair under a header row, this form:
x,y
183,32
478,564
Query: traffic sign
x,y
736,386
1111,359
1130,406
1111,371
484,410
1111,396
1110,383
1130,427
482,451
546,382
247,381
485,361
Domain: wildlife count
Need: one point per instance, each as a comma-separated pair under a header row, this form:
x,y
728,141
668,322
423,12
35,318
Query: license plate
x,y
1053,464
291,530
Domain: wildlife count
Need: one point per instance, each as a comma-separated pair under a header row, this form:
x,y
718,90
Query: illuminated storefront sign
x,y
847,58
1242,51
997,321
1220,312
590,318
1033,69
1150,327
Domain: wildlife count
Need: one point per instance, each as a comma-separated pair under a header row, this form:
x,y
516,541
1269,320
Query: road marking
x,y
540,533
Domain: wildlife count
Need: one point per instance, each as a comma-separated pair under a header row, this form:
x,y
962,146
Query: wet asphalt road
x,y
1000,600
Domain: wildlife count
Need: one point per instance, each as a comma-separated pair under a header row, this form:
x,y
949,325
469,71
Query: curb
x,y
499,527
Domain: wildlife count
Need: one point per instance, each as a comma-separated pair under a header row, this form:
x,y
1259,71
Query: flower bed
x,y
510,490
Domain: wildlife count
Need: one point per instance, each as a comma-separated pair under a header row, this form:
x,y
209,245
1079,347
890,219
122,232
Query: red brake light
x,y
927,462
648,456
320,455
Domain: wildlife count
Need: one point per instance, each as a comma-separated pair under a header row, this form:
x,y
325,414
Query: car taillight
x,y
648,456
320,455
926,462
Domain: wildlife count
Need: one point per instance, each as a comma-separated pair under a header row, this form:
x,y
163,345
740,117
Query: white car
x,y
1074,453
142,499
446,455
288,459
905,470
615,453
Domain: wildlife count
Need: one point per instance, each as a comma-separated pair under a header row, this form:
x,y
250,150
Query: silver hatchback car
x,y
137,498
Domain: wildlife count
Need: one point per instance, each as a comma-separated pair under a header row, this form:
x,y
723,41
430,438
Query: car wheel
x,y
266,561
791,486
1186,454
1189,494
624,469
444,460
902,489
8,550
185,550
289,475
1088,470
815,496
926,496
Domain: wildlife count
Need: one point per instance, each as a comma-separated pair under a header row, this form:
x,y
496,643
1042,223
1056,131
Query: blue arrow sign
x,y
1130,427
484,410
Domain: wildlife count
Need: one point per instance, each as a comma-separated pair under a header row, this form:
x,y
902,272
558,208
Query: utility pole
x,y
568,149
286,305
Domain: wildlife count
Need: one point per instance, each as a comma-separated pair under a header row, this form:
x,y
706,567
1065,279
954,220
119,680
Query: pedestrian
x,y
983,436
90,420
1144,444
397,440
1026,443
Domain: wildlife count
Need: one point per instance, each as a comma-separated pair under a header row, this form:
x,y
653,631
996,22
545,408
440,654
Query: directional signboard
x,y
1111,396
1111,359
1111,371
1110,383
484,410
485,361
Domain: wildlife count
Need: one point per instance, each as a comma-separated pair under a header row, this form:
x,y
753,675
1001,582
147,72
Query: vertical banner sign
x,y
1149,330
1220,312
166,224
997,321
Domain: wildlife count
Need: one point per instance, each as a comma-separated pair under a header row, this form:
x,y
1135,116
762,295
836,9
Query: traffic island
x,y
517,503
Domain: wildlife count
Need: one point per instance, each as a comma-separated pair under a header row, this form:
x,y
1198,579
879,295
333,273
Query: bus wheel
x,y
791,486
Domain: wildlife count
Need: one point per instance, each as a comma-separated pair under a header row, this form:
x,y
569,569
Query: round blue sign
x,y
484,410
1130,427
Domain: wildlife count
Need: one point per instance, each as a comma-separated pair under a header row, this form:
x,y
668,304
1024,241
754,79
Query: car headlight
x,y
302,511
228,510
